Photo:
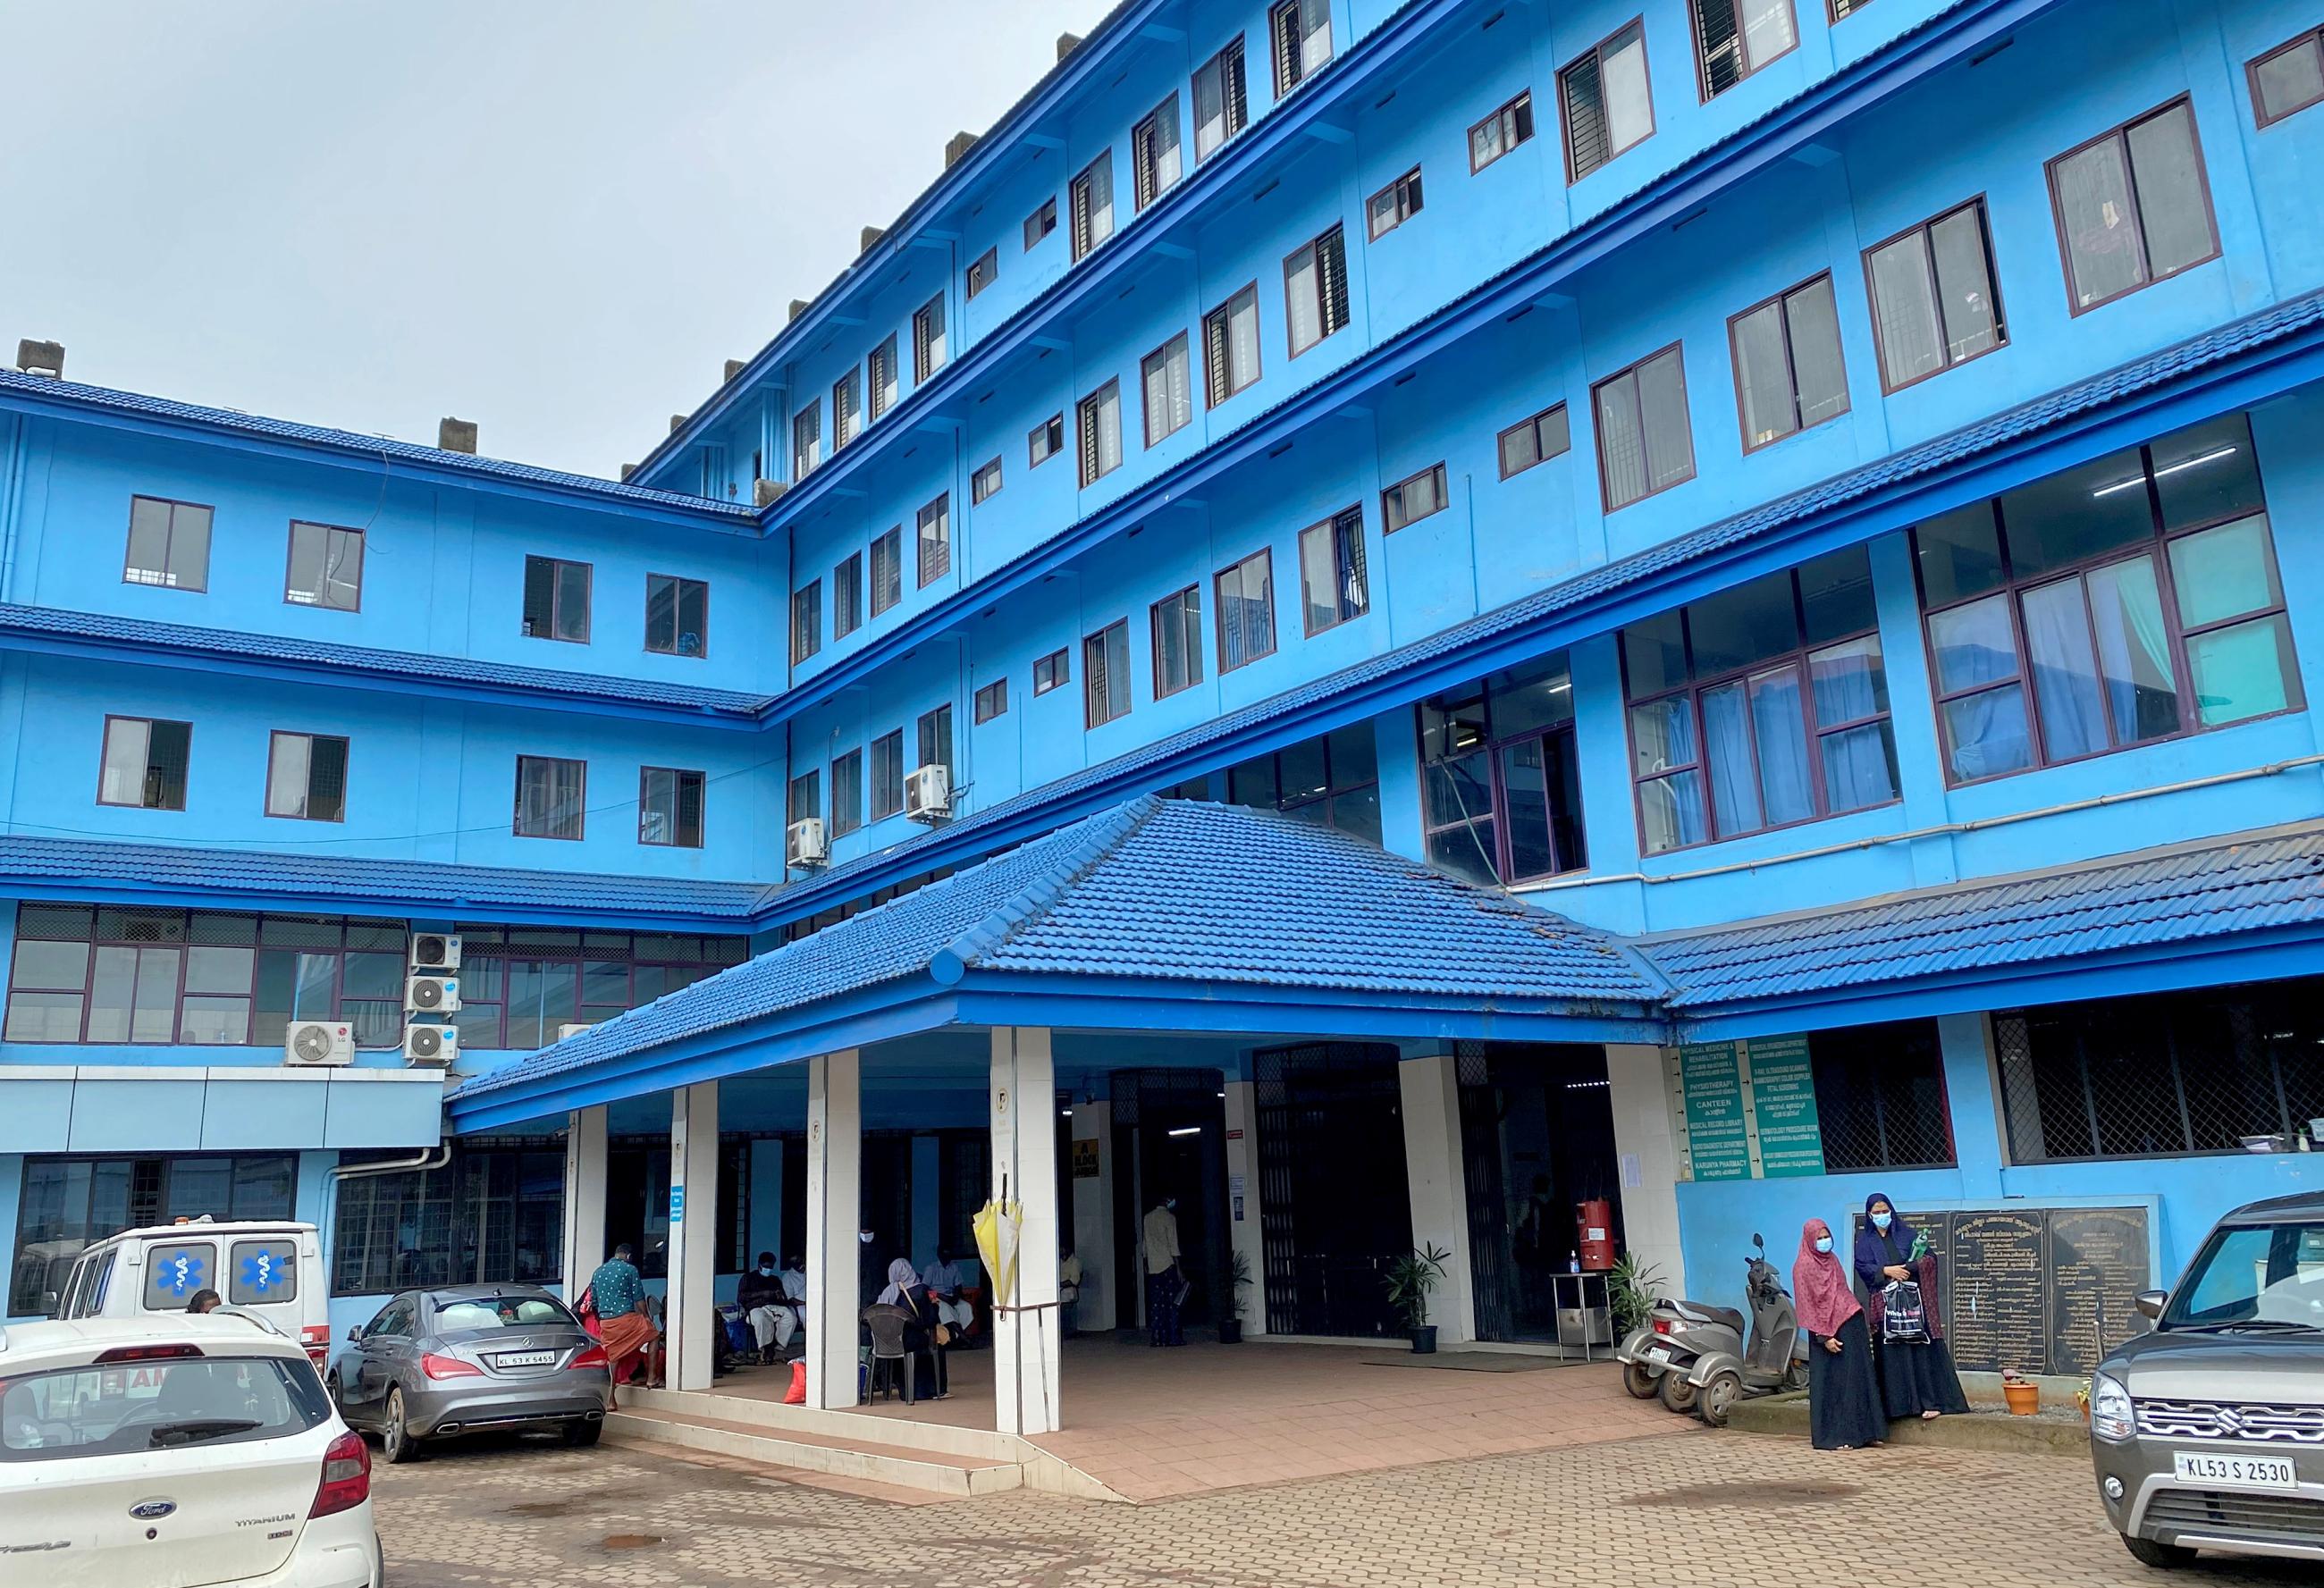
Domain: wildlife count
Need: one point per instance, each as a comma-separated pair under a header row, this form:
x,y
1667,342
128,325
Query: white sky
x,y
554,218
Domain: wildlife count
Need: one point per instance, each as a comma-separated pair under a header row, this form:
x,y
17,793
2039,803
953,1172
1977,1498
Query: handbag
x,y
943,1334
1903,1318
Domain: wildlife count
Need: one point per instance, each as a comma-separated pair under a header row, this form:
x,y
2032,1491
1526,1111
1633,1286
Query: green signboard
x,y
1719,1141
1784,1105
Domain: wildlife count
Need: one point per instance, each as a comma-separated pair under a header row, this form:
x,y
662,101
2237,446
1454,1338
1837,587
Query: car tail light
x,y
591,1356
347,1477
145,1353
449,1367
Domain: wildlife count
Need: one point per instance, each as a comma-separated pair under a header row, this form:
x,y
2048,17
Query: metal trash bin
x,y
1586,1326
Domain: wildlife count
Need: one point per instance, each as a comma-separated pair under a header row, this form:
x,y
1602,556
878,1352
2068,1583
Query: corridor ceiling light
x,y
1064,1113
1187,1129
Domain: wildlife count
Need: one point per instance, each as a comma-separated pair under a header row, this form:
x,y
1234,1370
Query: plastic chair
x,y
888,1353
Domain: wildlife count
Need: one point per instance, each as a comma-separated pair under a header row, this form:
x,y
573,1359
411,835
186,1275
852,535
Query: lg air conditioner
x,y
928,792
320,1041
435,1046
805,844
431,995
435,951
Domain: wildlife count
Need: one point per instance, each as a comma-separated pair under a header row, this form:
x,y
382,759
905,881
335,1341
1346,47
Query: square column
x,y
688,1328
1025,1170
834,1210
1246,1236
1439,1187
584,1197
1646,1148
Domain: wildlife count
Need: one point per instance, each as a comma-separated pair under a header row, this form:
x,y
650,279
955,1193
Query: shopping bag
x,y
1903,1318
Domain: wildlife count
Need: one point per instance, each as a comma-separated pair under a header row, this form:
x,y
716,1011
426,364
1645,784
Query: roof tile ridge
x,y
1028,904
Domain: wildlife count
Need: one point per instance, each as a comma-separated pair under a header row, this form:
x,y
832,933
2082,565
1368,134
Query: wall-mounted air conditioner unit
x,y
431,995
928,792
436,951
805,845
435,1045
320,1041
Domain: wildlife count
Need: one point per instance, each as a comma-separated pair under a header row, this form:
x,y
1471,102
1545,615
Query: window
x,y
847,400
803,800
2289,77
807,440
1246,593
1501,132
307,777
678,615
1846,8
934,539
935,734
848,596
1045,440
1315,296
549,796
882,367
1735,38
1788,373
489,1215
145,763
1052,670
887,570
1231,345
1169,389
1333,588
67,1205
2133,599
1105,674
1302,34
1880,1097
1410,500
1644,444
981,273
1092,194
1393,204
1761,706
1499,780
1041,221
556,600
1534,441
2132,208
669,807
993,701
985,484
168,544
1154,161
108,974
846,793
1178,641
807,620
1933,303
326,567
1098,418
888,775
1222,107
520,983
929,339
1608,105
1332,781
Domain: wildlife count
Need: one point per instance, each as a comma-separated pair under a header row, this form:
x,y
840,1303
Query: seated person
x,y
942,1281
767,1305
904,1290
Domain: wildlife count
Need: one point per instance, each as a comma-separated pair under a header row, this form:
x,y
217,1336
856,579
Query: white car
x,y
176,1453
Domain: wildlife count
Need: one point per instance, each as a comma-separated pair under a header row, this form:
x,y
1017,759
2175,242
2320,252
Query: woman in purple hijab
x,y
1916,1375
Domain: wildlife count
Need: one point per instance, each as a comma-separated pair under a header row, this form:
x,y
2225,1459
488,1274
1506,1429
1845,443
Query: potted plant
x,y
2023,1395
1410,1278
1237,1282
1632,1289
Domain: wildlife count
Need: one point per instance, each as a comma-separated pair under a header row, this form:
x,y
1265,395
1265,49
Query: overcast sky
x,y
556,217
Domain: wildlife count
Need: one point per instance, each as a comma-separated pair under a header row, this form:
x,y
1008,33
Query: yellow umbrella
x,y
998,1224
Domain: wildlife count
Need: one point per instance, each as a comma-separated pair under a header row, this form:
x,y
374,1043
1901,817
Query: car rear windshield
x,y
2264,1276
456,1313
129,1407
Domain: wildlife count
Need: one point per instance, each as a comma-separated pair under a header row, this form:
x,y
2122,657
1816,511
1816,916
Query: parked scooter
x,y
1692,1355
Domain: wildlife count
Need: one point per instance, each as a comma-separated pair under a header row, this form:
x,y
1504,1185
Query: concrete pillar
x,y
1647,1150
1973,1094
584,1197
1092,1214
1025,1170
834,1165
686,1325
1431,1094
1245,1237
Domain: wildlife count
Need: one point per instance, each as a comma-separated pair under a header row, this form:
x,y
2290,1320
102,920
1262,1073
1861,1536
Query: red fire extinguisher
x,y
1593,1227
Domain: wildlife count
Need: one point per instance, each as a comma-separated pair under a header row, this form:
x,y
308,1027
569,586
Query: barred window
x,y
490,1214
1154,159
928,353
1301,30
935,539
1735,38
1880,1097
1607,102
1315,295
1221,105
882,367
847,409
1092,194
887,570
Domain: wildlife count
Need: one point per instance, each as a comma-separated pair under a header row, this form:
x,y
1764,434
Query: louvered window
x,y
935,539
1332,584
883,377
846,405
887,570
1735,38
1099,420
1153,156
807,440
1169,389
1231,345
1093,203
807,620
1222,107
1606,104
929,339
1302,34
1105,673
848,596
1315,291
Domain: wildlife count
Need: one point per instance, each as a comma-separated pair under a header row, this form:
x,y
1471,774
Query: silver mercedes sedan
x,y
463,1358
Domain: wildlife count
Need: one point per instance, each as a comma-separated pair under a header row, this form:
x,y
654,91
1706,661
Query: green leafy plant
x,y
1410,1280
1238,1278
1633,1288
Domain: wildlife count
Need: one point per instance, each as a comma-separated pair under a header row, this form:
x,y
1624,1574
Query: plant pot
x,y
2024,1399
1231,1331
1423,1340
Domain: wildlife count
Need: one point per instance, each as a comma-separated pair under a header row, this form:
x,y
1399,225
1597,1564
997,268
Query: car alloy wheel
x,y
396,1440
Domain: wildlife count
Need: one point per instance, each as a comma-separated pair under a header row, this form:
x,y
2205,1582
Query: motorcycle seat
x,y
1698,1313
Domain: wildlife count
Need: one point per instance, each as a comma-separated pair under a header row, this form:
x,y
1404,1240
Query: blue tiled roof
x,y
1159,890
107,630
71,393
415,885
2181,895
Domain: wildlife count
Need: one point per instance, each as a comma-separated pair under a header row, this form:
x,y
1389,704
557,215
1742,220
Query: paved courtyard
x,y
1689,1507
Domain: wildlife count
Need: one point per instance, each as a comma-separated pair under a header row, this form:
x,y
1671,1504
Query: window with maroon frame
x,y
1762,706
1789,373
1333,781
2288,79
518,984
1933,300
2131,600
2132,207
1499,782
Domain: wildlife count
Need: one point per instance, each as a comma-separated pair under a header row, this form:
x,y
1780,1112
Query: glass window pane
x,y
190,547
381,976
1743,624
1629,105
1528,699
49,965
1859,766
1253,784
217,1022
218,970
1818,370
1849,682
124,780
1836,593
1355,755
1669,439
2206,472
2290,80
112,989
1524,780
1301,769
1727,735
286,775
2173,210
43,1017
1621,441
2134,650
2077,514
1661,735
1466,851
149,541
2223,572
1671,812
2065,672
1960,555
1358,813
572,601
2093,194
1762,376
1779,725
1460,790
1768,30
2241,672
1965,283
1653,654
153,1018
1986,734
1905,314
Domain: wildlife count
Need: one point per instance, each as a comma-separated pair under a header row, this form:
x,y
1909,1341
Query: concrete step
x,y
1985,1429
927,1470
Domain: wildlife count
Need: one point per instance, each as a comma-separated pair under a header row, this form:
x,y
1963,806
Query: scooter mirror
x,y
1756,1240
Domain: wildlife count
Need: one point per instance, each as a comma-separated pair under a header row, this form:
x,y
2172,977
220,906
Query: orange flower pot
x,y
2024,1399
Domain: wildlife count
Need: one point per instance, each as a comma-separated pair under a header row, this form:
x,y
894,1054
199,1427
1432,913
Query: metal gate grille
x,y
1481,1168
1336,1205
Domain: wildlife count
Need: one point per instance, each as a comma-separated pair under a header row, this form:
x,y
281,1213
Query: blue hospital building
x,y
1393,617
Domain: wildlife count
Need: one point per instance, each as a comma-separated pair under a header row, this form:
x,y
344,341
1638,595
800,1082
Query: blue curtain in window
x,y
1779,724
1734,791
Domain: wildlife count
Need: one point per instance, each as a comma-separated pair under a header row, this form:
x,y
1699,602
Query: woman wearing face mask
x,y
1916,1375
1843,1397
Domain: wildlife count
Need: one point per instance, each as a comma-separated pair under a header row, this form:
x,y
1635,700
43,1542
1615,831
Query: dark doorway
x,y
1536,1139
1169,1139
886,1196
1336,1204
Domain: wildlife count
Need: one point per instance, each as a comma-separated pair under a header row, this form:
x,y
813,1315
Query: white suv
x,y
184,1450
